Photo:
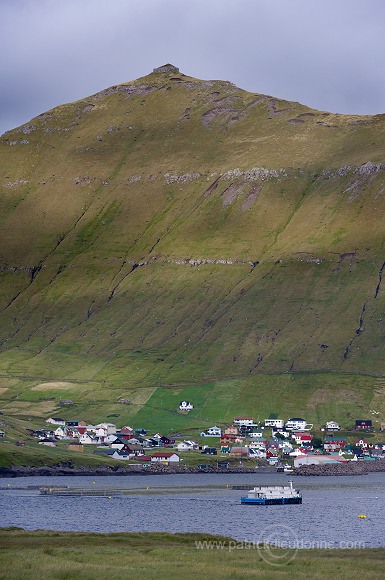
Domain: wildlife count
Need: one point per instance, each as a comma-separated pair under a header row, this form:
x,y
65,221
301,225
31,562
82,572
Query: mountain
x,y
177,232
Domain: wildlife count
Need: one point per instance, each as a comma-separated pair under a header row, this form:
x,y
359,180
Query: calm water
x,y
328,515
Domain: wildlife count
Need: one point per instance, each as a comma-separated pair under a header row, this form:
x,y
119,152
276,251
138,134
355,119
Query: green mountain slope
x,y
174,231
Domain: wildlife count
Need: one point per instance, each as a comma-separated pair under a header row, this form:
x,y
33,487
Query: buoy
x,y
362,517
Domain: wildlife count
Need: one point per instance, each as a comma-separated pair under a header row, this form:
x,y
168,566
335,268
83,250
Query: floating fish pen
x,y
81,492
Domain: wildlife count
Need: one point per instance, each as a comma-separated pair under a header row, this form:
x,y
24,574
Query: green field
x,y
71,556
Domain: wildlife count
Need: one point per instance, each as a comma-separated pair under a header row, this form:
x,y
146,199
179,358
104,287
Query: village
x,y
275,442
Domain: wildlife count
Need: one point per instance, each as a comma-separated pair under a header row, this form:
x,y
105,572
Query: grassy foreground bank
x,y
60,555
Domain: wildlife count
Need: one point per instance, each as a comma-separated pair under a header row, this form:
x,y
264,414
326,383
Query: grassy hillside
x,y
177,232
160,555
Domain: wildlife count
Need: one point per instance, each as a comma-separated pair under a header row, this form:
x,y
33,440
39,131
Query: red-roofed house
x,y
80,430
126,431
301,438
231,430
334,443
144,458
364,444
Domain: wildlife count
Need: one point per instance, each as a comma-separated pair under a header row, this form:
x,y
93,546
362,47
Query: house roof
x,y
133,447
243,419
160,454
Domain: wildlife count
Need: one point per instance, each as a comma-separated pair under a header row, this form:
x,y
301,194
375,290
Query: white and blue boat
x,y
273,495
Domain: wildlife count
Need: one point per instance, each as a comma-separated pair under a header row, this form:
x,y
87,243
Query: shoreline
x,y
68,469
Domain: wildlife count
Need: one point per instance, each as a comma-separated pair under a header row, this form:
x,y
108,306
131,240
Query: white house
x,y
100,432
185,406
165,458
88,439
244,421
187,446
131,441
125,455
257,432
109,428
64,433
296,453
301,438
214,431
258,443
56,421
257,453
278,431
278,423
332,426
297,424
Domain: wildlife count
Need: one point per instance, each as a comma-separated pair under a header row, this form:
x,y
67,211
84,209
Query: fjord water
x,y
328,516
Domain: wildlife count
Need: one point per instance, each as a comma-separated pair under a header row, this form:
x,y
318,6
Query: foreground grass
x,y
59,555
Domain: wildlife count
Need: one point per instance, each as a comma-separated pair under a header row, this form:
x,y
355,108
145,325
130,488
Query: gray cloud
x,y
323,53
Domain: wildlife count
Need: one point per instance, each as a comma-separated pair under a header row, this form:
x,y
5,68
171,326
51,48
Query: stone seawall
x,y
68,468
350,468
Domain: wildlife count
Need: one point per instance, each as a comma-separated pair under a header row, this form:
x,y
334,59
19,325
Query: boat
x,y
284,469
273,495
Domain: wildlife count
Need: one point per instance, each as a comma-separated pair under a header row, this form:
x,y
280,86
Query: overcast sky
x,y
328,54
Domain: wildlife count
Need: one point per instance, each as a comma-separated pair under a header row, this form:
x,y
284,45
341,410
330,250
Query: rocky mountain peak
x,y
165,68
